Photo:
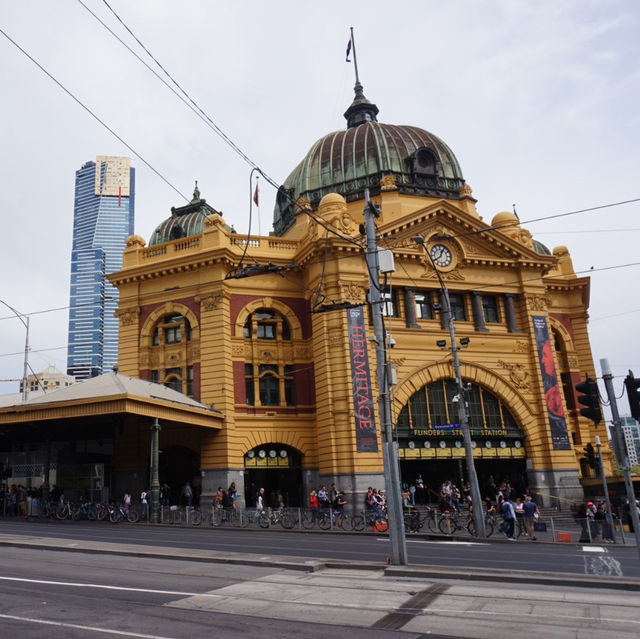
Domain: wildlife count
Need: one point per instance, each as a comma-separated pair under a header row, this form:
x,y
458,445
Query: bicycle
x,y
371,519
86,509
120,513
450,523
64,511
489,525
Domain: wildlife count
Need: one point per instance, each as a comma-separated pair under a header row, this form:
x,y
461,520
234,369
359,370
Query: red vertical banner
x,y
552,389
366,436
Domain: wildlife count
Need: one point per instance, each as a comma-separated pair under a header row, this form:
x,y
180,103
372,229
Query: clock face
x,y
440,255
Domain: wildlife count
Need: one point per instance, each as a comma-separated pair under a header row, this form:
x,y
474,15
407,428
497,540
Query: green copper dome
x,y
351,160
184,221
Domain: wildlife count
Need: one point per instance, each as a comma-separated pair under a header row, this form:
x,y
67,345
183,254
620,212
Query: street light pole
x,y
155,481
25,321
476,499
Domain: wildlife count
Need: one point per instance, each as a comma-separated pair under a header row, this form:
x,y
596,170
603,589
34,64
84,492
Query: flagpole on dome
x,y
352,46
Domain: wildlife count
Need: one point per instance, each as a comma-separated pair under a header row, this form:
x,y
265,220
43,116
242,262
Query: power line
x,y
93,115
225,138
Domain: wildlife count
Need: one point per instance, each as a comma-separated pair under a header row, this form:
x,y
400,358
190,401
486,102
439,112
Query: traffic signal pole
x,y
621,449
605,488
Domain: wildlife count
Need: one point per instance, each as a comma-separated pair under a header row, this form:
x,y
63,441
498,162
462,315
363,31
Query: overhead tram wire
x,y
93,115
326,225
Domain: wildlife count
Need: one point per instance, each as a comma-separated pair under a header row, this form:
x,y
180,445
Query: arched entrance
x,y
431,443
274,467
177,465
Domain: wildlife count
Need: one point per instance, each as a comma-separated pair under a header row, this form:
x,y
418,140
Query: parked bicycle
x,y
119,513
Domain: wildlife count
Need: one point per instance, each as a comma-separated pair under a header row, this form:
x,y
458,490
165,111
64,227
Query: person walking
x,y
509,518
530,514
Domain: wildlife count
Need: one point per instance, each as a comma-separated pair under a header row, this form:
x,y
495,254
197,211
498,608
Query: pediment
x,y
468,236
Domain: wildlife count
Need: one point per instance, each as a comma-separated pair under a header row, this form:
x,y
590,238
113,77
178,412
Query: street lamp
x,y
476,499
25,321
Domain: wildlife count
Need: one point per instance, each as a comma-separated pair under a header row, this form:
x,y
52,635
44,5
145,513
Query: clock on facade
x,y
440,255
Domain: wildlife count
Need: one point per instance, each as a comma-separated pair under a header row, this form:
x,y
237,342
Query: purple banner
x,y
552,390
366,437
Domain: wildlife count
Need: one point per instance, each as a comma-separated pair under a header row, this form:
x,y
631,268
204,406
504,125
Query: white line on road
x,y
76,626
445,543
105,587
593,549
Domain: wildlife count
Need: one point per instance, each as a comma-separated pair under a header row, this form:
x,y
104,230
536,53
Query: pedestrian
x,y
508,517
187,495
145,498
260,501
233,493
323,497
518,508
530,514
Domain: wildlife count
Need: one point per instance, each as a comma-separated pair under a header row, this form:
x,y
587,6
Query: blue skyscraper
x,y
103,218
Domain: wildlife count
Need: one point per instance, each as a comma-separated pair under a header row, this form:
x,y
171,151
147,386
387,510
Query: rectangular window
x,y
490,306
172,335
155,377
437,407
269,385
458,307
419,416
424,310
289,386
190,380
492,415
266,331
248,384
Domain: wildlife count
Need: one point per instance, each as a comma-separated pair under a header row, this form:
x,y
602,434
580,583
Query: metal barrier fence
x,y
559,527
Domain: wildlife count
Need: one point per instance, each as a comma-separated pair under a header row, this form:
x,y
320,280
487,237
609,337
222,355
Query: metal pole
x,y
389,449
621,449
155,482
476,498
25,385
605,488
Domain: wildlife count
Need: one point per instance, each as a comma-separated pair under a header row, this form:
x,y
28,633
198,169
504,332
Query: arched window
x,y
266,324
170,343
270,382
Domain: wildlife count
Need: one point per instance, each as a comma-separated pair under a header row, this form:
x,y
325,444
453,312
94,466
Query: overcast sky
x,y
538,100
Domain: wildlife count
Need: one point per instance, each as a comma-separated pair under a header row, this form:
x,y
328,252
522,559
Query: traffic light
x,y
590,455
632,384
590,399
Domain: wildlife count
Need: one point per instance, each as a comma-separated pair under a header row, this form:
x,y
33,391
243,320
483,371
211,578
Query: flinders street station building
x,y
254,333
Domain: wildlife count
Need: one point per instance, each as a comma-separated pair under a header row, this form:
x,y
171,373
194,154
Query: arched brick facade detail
x,y
271,303
259,438
162,311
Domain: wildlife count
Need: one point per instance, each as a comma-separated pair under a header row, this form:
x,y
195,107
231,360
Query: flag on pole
x,y
348,50
256,199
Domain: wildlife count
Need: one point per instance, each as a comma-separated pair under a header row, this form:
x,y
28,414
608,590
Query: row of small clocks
x,y
458,444
263,453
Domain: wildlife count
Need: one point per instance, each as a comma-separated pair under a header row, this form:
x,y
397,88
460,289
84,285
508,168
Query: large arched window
x,y
435,407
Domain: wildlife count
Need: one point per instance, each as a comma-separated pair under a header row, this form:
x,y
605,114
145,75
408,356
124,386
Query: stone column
x,y
510,310
410,308
478,312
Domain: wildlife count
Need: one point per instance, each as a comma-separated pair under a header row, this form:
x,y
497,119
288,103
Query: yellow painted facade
x,y
307,353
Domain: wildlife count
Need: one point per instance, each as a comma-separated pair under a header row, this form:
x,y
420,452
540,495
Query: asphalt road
x,y
516,556
69,595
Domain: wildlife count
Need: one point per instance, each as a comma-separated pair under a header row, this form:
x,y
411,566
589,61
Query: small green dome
x,y
351,160
184,221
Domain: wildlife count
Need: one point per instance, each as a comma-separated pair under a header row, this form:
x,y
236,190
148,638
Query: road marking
x,y
105,587
602,565
593,549
443,542
76,626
